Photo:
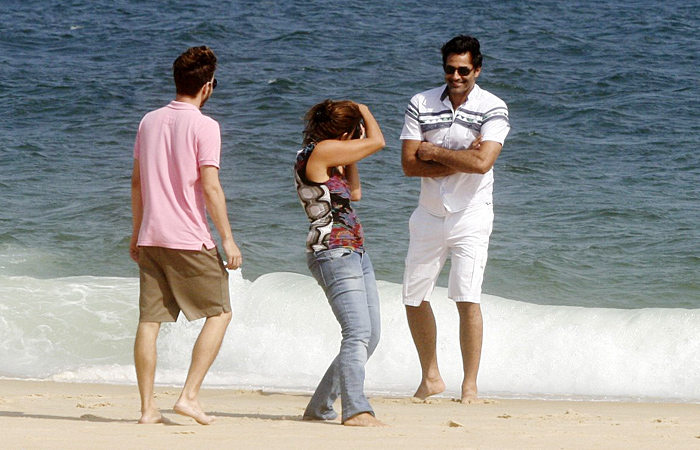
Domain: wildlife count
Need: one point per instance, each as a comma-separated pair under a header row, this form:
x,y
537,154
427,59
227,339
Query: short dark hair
x,y
193,69
460,45
331,120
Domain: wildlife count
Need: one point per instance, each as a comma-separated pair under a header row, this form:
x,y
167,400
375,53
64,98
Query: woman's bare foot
x,y
194,411
428,388
364,420
317,419
151,417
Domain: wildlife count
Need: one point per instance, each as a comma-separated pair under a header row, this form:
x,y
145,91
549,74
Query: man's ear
x,y
204,88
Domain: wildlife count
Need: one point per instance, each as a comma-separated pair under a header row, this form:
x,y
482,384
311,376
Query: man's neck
x,y
196,101
458,100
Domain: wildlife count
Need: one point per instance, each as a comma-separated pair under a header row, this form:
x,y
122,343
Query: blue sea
x,y
592,289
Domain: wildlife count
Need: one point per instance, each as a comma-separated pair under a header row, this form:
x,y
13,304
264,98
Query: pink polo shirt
x,y
172,143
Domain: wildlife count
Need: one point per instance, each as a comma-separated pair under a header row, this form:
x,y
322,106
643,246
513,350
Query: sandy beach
x,y
48,415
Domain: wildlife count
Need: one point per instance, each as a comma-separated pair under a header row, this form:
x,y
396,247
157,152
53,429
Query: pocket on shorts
x,y
478,270
192,264
487,222
419,281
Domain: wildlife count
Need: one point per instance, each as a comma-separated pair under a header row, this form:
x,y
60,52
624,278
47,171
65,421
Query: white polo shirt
x,y
430,117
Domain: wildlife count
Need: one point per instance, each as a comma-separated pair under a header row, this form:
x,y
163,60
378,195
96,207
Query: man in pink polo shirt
x,y
175,182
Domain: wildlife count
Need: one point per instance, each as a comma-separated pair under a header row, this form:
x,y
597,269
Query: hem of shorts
x,y
206,314
414,302
466,299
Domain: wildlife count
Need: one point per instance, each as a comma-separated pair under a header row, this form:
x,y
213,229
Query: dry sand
x,y
57,416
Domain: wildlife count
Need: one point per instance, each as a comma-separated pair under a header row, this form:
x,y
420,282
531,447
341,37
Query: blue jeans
x,y
347,278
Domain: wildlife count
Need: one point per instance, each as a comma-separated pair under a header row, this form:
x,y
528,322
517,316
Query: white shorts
x,y
463,235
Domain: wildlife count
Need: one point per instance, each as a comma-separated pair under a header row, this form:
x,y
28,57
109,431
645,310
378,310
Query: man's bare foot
x,y
428,388
151,417
469,396
364,420
194,411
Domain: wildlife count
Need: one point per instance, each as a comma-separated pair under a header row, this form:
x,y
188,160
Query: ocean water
x,y
592,286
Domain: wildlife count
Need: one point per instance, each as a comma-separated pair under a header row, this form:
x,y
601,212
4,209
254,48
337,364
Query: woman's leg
x,y
340,273
372,303
328,390
320,406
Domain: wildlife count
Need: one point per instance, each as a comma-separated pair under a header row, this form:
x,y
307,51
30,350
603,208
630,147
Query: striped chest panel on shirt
x,y
444,119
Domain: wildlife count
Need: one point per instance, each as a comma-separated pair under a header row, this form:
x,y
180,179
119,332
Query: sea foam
x,y
283,336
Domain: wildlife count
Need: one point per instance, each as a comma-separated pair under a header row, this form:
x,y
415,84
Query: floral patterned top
x,y
334,224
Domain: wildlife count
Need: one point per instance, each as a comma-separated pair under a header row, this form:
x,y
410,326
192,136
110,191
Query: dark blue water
x,y
597,195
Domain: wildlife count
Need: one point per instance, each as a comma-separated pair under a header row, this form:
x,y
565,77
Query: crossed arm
x,y
423,159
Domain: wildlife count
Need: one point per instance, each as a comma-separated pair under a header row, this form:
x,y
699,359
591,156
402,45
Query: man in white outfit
x,y
452,137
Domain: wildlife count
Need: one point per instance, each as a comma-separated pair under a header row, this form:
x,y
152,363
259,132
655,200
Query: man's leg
x,y
203,355
471,333
421,321
145,357
427,252
469,241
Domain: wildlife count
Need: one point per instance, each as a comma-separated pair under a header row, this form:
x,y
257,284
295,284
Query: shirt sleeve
x,y
411,127
209,144
137,145
496,124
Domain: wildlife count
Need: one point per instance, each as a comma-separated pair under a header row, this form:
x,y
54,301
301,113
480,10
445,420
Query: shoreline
x,y
55,415
446,396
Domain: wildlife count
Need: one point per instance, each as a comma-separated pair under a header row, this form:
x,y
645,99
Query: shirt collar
x,y
445,93
182,105
445,96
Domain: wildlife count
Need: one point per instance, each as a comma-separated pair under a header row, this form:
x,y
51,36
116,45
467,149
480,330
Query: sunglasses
x,y
214,83
463,71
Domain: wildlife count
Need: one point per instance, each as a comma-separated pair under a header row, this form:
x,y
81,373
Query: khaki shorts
x,y
464,236
194,282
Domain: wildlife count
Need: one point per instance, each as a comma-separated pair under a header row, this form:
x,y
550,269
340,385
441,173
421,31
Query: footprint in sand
x,y
481,401
93,405
165,394
428,400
